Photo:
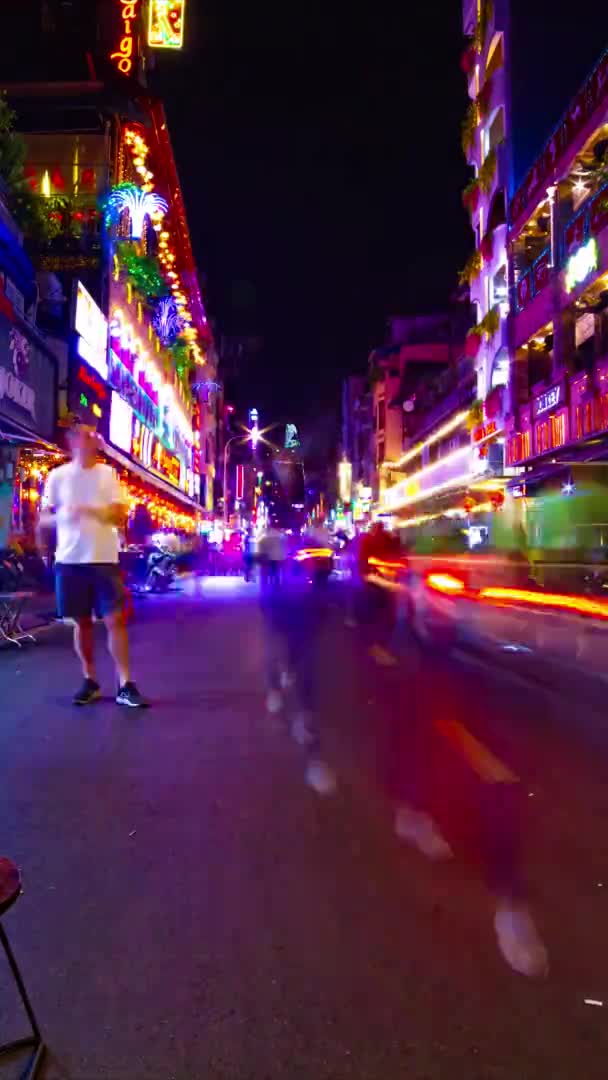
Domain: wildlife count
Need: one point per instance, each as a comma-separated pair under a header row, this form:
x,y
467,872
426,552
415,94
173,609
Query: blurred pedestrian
x,y
86,503
293,608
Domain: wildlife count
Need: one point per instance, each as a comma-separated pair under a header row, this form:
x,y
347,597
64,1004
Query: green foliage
x,y
26,208
487,172
471,269
143,272
469,128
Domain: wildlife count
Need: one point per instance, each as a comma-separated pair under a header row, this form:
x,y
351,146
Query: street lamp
x,y
252,436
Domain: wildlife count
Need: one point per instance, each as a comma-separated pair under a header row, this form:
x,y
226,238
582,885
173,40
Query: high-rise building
x,y
116,273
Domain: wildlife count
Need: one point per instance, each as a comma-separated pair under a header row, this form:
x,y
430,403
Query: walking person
x,y
85,502
293,612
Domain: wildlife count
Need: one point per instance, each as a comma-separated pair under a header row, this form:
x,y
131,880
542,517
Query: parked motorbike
x,y
160,571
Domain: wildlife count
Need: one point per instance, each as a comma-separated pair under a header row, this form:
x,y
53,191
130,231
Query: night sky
x,y
319,153
321,166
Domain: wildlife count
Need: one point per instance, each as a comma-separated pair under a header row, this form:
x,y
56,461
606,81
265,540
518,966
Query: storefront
x,y
28,404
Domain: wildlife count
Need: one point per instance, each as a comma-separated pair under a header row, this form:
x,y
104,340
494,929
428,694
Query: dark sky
x,y
321,166
319,152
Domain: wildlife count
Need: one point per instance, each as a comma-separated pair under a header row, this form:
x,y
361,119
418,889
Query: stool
x,y
10,890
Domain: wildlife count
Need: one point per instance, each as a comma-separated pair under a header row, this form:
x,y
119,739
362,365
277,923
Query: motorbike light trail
x,y
445,583
562,601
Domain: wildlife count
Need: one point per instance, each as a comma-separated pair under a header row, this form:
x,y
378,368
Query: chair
x,y
10,890
11,608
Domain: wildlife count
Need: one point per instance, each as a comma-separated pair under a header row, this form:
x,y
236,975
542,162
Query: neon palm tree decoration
x,y
167,321
139,204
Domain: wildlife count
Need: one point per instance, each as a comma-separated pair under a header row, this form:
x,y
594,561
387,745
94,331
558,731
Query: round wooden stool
x,y
10,890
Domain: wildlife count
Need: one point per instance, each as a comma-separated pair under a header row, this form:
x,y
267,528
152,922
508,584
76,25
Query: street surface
x,y
193,911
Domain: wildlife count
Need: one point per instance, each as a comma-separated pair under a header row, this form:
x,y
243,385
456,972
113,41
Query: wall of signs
x,y
27,379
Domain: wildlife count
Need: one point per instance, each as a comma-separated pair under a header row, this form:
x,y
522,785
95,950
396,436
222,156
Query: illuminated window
x,y
542,437
579,422
603,412
495,56
558,430
525,444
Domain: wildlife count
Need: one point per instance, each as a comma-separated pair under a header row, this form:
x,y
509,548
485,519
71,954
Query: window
x,y
603,412
495,56
579,422
380,452
525,440
542,437
496,131
381,415
558,429
499,286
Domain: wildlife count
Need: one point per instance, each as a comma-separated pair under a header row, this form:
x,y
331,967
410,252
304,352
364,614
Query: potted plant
x,y
491,322
471,269
470,195
475,417
469,128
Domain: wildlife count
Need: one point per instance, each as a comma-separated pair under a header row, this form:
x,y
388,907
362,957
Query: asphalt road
x,y
193,911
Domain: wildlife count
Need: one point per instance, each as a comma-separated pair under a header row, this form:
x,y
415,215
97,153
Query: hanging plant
x,y
491,322
487,172
471,269
470,195
143,272
487,246
475,417
483,99
469,127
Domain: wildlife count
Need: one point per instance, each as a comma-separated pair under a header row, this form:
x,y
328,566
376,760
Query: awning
x,y
155,481
566,457
13,431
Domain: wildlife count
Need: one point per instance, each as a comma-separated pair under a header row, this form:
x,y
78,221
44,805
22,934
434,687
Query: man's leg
x,y
84,646
118,645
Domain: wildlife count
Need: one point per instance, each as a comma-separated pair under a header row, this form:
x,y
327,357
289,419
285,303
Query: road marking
x,y
382,656
487,766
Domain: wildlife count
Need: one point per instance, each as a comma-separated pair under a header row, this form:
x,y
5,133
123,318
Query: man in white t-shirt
x,y
85,502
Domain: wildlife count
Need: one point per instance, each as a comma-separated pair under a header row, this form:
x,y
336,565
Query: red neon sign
x,y
123,57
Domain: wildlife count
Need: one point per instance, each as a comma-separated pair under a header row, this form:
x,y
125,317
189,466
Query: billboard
x,y
166,24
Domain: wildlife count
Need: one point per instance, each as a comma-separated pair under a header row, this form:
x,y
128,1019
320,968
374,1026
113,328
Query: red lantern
x,y
468,503
87,179
467,60
497,499
57,179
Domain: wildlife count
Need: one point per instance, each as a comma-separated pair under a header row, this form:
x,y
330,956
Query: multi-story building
x,y
357,466
116,274
28,389
486,141
558,243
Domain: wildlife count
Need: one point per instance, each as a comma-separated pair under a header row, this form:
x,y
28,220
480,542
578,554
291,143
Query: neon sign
x,y
166,24
124,55
547,401
92,327
581,264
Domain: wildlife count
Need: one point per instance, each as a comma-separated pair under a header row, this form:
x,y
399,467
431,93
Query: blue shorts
x,y
86,589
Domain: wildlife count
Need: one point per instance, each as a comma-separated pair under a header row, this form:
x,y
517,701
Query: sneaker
x,y
129,695
274,701
89,692
320,777
420,830
302,731
520,942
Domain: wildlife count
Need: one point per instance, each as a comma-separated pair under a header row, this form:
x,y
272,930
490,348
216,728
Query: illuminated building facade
x,y
116,273
558,244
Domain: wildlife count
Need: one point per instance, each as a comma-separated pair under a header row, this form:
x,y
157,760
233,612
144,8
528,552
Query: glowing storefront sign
x,y
121,423
166,24
123,57
547,401
581,264
345,477
91,326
